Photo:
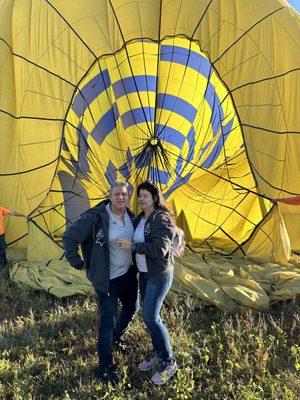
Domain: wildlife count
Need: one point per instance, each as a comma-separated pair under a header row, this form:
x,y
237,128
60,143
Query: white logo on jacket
x,y
147,229
100,238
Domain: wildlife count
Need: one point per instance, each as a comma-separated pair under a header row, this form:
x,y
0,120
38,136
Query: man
x,y
5,211
108,267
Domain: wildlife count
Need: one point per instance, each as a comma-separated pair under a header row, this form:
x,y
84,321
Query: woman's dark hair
x,y
159,202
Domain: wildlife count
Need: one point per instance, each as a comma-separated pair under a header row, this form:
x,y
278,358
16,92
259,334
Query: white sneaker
x,y
151,362
164,373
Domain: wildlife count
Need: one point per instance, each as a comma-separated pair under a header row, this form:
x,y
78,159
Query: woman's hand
x,y
123,243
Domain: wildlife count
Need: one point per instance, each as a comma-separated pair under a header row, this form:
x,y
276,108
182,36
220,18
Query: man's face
x,y
119,197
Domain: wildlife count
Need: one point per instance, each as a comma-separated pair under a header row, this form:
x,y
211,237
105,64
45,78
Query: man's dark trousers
x,y
111,327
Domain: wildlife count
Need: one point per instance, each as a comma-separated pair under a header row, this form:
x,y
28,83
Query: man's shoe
x,y
165,371
148,364
108,375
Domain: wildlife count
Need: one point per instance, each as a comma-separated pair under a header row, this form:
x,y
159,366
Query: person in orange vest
x,y
5,211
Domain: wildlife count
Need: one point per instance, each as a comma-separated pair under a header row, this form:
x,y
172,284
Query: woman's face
x,y
146,200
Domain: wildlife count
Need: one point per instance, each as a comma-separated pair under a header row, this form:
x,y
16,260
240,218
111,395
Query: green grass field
x,y
48,351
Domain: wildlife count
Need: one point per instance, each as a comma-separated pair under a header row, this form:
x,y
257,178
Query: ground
x,y
48,351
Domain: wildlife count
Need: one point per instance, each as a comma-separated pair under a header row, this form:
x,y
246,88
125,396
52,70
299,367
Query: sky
x,y
295,4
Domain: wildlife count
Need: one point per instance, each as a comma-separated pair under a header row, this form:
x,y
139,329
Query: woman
x,y
152,242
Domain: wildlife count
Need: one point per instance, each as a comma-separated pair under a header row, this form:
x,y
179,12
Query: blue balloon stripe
x,y
64,145
214,154
104,126
186,57
83,162
170,135
139,83
125,169
111,173
178,182
178,165
205,147
90,92
137,116
176,104
116,111
81,131
159,176
202,65
191,138
217,112
142,160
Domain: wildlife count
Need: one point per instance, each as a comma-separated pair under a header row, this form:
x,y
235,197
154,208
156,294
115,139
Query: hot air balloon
x,y
198,96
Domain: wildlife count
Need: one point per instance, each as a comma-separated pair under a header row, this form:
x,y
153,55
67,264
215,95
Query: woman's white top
x,y
139,236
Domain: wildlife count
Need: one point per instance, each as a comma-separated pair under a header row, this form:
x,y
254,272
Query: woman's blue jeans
x,y
152,296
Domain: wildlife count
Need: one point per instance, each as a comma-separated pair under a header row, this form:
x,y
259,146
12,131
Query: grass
x,y
48,351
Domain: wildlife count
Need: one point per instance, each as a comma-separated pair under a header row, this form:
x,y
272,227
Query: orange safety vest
x,y
3,211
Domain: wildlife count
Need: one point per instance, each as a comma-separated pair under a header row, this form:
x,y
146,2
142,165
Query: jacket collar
x,y
101,210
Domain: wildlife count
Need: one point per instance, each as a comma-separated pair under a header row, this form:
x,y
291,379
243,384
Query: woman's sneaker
x,y
165,372
148,364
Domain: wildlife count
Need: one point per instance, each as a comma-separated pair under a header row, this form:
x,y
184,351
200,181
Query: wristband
x,y
133,247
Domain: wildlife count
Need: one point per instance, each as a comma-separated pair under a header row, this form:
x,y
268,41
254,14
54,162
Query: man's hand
x,y
123,243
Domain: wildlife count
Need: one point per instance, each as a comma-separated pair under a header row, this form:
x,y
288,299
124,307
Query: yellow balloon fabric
x,y
198,96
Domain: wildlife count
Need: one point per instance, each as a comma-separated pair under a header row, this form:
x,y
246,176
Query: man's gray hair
x,y
121,184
